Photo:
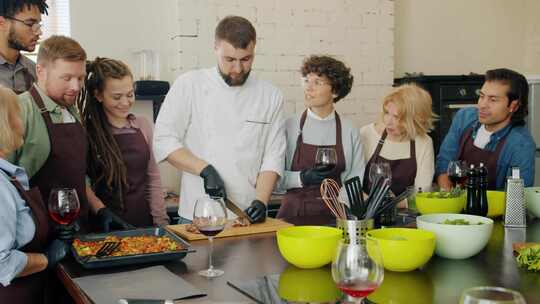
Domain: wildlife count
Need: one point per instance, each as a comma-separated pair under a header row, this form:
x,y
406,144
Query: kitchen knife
x,y
235,209
144,301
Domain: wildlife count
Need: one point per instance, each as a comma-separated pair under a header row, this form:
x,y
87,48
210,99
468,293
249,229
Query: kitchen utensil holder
x,y
353,230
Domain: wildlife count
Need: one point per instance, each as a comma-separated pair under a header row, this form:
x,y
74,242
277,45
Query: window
x,y
57,22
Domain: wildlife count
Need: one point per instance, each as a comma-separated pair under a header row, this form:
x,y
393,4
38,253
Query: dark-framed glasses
x,y
35,25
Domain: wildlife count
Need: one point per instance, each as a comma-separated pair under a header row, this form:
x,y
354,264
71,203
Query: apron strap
x,y
380,145
41,106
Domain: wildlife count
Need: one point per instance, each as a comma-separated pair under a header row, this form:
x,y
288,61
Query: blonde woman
x,y
26,254
400,138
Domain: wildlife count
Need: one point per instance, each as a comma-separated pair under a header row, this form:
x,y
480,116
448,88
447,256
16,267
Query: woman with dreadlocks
x,y
121,166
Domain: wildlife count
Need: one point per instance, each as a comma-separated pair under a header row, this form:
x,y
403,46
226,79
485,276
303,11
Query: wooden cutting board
x,y
519,246
269,225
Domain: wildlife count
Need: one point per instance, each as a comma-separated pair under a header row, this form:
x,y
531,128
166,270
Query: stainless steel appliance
x,y
533,119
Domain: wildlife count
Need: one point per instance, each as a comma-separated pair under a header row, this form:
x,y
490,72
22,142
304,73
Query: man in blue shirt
x,y
493,133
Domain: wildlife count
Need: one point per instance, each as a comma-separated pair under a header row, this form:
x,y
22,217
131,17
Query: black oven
x,y
449,94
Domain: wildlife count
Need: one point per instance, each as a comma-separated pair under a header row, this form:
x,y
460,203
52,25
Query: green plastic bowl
x,y
308,246
428,205
404,249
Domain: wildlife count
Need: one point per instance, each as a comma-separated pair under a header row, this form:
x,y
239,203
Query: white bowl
x,y
532,197
457,241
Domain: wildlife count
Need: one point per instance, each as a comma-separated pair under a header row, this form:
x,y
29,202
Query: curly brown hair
x,y
336,71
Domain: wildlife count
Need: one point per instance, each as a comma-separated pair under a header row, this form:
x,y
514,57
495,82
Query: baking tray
x,y
112,261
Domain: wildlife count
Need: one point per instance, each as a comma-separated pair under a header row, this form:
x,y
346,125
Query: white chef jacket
x,y
239,130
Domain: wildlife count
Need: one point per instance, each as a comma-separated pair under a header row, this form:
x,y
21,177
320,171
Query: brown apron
x,y
135,207
306,202
30,289
474,155
403,170
65,166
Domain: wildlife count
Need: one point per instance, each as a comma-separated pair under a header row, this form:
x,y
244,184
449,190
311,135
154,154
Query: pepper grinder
x,y
516,212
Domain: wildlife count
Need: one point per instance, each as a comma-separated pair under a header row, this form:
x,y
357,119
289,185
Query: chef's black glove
x,y
256,212
314,176
56,251
109,221
213,184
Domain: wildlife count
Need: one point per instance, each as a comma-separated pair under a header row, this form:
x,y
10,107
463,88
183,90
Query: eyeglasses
x,y
33,24
316,82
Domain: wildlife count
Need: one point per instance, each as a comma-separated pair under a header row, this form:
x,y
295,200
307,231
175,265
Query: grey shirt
x,y
19,76
320,132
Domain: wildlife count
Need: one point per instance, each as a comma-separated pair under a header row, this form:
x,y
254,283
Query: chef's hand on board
x,y
213,184
256,212
56,251
109,221
314,176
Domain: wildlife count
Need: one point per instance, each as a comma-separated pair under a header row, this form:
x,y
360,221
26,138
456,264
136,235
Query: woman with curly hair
x,y
326,81
400,138
123,172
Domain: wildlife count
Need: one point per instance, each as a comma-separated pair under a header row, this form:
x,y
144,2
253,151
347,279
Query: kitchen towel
x,y
155,282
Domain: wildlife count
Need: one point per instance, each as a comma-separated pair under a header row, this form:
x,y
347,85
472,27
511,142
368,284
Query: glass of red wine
x,y
491,295
210,217
358,269
457,172
64,208
325,159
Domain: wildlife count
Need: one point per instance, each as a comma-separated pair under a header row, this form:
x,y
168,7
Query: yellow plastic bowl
x,y
427,205
307,285
397,287
308,246
404,249
496,203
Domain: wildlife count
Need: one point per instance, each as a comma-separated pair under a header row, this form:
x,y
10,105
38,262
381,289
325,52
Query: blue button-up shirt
x,y
17,227
518,150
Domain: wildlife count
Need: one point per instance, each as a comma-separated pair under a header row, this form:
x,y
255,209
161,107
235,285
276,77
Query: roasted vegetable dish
x,y
529,258
131,245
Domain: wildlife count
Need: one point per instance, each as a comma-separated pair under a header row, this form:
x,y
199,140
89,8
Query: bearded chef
x,y
224,128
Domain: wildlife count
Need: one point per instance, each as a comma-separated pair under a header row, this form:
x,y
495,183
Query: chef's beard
x,y
233,83
14,43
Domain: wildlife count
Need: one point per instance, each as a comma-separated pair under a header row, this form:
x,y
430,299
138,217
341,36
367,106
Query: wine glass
x,y
380,169
491,295
358,268
210,217
64,207
325,159
457,172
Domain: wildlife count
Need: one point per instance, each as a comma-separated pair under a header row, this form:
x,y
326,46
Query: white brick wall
x,y
359,32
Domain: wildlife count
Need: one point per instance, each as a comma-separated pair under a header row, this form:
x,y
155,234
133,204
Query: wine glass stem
x,y
210,251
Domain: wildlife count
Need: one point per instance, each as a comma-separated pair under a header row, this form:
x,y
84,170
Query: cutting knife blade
x,y
235,209
144,301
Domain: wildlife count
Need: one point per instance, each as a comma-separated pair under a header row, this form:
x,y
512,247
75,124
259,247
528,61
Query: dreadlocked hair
x,y
10,8
105,163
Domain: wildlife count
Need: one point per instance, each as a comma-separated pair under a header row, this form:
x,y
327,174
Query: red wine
x,y
211,231
325,167
63,217
357,289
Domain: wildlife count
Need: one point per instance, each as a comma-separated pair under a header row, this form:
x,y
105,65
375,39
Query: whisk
x,y
330,195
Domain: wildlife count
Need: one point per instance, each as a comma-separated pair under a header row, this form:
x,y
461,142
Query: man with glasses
x,y
493,132
20,29
223,127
